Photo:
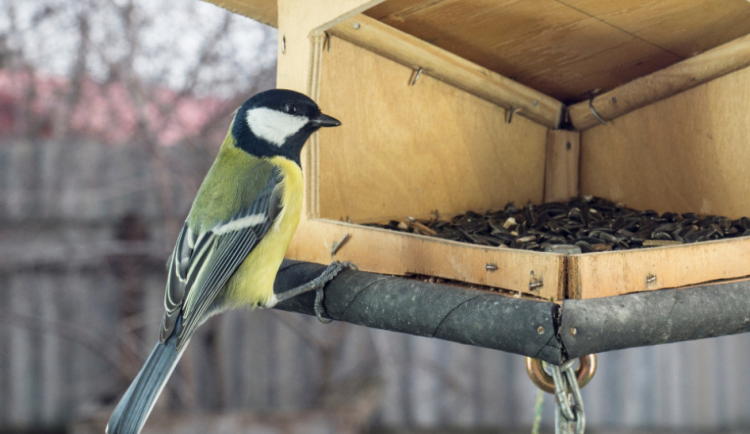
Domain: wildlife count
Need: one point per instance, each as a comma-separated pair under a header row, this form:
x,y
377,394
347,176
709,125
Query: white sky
x,y
173,34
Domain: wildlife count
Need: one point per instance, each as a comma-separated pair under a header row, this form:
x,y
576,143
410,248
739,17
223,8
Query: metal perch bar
x,y
409,306
522,326
655,317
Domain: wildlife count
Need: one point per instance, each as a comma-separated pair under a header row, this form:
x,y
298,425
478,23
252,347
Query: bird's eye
x,y
290,108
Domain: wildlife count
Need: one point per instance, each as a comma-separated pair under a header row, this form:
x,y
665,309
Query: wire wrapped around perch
x,y
469,317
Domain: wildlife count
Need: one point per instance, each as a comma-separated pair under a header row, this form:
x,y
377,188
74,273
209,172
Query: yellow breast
x,y
252,283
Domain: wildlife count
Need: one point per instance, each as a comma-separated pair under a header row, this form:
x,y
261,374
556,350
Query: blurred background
x,y
111,112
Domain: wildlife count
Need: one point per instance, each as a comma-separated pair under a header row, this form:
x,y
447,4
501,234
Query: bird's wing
x,y
202,263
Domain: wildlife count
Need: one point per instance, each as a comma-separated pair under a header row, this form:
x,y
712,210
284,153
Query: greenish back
x,y
232,183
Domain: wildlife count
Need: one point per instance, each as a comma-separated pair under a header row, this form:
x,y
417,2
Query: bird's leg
x,y
316,285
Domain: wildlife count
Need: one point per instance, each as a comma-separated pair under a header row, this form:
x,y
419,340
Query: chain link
x,y
566,388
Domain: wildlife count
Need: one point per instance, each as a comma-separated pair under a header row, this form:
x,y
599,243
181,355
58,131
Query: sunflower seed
x,y
590,224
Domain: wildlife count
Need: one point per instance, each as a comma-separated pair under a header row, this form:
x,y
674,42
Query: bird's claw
x,y
319,306
319,283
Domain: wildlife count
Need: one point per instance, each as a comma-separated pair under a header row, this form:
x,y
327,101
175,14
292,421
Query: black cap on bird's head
x,y
278,122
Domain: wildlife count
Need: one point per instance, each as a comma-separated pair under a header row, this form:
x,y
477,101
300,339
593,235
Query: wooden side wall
x,y
688,153
438,148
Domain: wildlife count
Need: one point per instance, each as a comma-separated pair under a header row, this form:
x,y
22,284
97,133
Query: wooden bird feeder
x,y
460,105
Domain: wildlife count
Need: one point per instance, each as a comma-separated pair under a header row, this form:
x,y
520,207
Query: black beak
x,y
324,121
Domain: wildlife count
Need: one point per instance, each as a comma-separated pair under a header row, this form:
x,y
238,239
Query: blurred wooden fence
x,y
85,230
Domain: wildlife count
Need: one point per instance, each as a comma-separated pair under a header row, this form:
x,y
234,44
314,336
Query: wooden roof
x,y
563,48
264,11
568,48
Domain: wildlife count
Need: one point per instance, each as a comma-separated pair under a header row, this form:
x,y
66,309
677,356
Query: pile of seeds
x,y
592,224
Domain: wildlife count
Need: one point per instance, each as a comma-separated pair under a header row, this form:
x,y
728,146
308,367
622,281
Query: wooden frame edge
x,y
573,278
263,11
410,51
405,254
607,274
662,84
311,158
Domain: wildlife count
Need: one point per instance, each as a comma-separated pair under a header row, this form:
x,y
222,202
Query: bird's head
x,y
278,122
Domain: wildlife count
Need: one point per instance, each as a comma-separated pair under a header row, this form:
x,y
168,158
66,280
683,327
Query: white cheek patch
x,y
274,126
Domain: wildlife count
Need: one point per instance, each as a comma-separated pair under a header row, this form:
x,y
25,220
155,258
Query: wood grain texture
x,y
264,11
408,150
389,252
544,44
450,68
561,48
607,274
684,28
565,48
662,84
688,153
561,165
299,23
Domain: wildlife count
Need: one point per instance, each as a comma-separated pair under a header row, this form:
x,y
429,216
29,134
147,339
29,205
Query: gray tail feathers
x,y
135,406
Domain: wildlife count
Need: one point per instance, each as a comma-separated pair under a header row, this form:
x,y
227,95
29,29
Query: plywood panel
x,y
407,150
608,274
688,153
681,27
543,44
300,23
567,48
389,252
412,52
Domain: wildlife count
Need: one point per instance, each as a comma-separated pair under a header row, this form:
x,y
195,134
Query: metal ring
x,y
540,377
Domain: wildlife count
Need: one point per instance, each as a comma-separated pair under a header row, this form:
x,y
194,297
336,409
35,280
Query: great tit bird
x,y
235,236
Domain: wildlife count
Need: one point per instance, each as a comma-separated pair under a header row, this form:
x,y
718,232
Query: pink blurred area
x,y
107,112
